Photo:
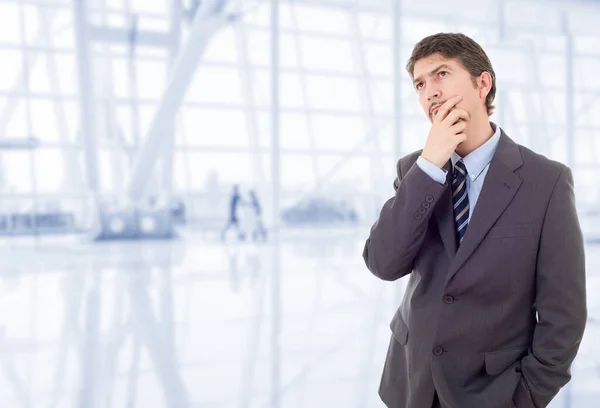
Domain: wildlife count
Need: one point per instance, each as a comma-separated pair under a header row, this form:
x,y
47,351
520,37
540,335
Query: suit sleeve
x,y
397,235
560,299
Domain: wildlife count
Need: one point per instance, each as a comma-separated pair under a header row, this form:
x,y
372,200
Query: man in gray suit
x,y
495,306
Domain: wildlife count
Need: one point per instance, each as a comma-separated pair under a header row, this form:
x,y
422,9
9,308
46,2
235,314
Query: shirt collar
x,y
479,158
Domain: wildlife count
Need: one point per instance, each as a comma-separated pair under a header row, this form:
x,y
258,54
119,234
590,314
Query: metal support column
x,y
86,99
397,72
176,16
569,92
501,93
275,210
397,77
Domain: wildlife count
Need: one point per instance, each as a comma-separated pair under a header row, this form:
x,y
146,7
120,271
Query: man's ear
x,y
484,84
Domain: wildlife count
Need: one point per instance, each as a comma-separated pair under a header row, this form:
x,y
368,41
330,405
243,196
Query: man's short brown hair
x,y
468,53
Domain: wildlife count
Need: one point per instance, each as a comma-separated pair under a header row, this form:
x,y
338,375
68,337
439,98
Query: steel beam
x,y
204,26
87,121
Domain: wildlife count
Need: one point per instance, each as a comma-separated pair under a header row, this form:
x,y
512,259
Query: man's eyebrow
x,y
432,73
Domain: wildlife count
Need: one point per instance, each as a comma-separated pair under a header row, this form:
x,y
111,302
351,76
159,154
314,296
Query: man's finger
x,y
458,127
456,115
445,108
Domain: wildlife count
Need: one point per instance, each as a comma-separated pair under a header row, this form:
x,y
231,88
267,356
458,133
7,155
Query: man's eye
x,y
443,73
419,86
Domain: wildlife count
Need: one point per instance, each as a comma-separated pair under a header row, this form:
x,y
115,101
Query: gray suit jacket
x,y
467,327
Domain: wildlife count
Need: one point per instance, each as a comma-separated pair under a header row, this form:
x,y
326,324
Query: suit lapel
x,y
445,216
500,186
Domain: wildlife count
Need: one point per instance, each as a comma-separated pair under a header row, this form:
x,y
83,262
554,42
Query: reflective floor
x,y
195,323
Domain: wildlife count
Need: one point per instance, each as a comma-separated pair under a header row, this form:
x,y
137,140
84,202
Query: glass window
x,y
259,51
12,63
295,131
549,69
16,171
587,147
217,85
587,110
146,116
382,97
50,170
512,66
153,23
222,46
378,59
586,73
333,93
39,73
120,78
586,44
319,19
44,124
291,91
327,54
259,43
216,127
181,171
375,27
264,128
115,4
349,173
34,30
297,170
151,79
125,125
231,167
62,29
413,134
531,14
586,186
113,170
67,73
14,118
339,133
380,138
10,22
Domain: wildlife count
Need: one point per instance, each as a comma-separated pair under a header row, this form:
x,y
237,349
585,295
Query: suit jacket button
x,y
438,351
448,299
418,215
422,210
426,204
429,199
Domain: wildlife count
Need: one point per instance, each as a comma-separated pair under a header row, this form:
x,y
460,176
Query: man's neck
x,y
477,135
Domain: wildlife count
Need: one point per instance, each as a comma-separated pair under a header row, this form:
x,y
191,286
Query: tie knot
x,y
460,170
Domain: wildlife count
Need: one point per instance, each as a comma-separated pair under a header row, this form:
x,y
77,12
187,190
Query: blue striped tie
x,y
460,200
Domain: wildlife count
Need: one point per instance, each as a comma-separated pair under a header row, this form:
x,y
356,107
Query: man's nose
x,y
434,93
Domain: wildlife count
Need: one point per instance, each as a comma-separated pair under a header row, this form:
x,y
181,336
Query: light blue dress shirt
x,y
477,163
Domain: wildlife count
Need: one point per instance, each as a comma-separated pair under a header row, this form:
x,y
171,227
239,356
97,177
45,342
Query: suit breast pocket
x,y
511,231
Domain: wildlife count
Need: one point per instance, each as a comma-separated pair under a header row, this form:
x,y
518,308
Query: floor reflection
x,y
191,323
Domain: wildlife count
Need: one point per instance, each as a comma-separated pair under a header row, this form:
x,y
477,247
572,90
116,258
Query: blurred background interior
x,y
186,188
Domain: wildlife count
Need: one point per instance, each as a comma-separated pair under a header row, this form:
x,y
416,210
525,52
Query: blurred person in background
x,y
495,307
234,214
258,228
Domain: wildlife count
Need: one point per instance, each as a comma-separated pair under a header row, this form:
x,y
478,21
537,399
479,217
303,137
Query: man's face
x,y
436,79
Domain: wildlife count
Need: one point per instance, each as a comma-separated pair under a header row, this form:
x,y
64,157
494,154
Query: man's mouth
x,y
435,108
